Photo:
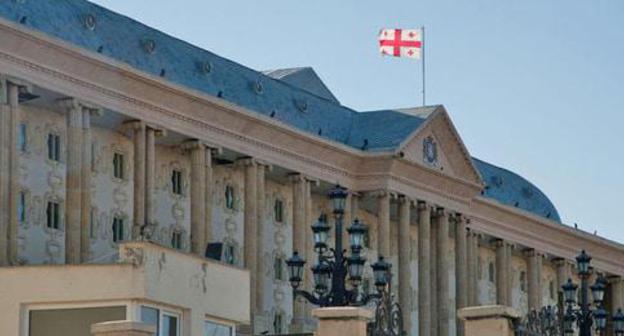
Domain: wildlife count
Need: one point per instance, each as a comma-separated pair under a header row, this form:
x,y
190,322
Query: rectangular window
x,y
54,147
21,208
170,325
176,181
53,215
22,138
277,323
92,223
279,211
278,268
151,316
176,240
118,229
216,329
118,166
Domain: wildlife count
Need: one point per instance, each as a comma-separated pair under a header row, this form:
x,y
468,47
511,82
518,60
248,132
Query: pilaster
x,y
138,131
261,206
383,226
299,237
472,255
251,223
501,273
198,152
534,261
88,112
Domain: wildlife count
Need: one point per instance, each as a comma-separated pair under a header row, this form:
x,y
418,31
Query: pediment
x,y
437,145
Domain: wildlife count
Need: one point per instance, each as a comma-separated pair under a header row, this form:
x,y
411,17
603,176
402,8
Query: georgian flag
x,y
400,42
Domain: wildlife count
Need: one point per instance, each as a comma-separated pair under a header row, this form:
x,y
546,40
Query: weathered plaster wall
x,y
228,224
110,196
487,281
42,180
520,284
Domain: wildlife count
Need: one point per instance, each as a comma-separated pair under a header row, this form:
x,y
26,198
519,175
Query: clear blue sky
x,y
533,86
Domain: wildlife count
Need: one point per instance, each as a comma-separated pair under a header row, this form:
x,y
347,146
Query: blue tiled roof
x,y
513,190
307,107
382,130
304,78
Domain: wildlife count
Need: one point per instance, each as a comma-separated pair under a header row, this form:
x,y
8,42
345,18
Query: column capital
x,y
531,252
246,162
133,125
498,242
405,199
439,211
68,104
299,177
422,205
192,144
615,279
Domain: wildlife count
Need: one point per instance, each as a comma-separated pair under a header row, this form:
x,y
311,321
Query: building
x,y
112,133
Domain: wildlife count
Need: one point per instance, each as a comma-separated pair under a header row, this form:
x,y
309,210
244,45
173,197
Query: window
x,y
176,182
229,254
216,329
176,240
278,210
92,223
21,208
366,240
170,325
118,229
278,268
277,323
54,147
167,324
551,289
229,197
22,138
118,166
491,272
53,215
523,281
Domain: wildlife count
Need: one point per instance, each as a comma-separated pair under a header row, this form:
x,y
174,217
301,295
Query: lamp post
x,y
333,265
584,316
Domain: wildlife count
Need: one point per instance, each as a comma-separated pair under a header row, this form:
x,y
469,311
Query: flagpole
x,y
422,29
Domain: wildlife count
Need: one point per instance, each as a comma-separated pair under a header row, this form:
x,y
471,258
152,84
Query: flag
x,y
400,42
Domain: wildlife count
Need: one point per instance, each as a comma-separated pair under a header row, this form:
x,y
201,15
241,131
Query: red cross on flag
x,y
400,42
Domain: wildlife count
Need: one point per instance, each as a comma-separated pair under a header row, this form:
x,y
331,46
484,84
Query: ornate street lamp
x,y
585,316
333,266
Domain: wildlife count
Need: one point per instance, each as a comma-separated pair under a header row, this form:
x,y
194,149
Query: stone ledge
x,y
122,326
485,312
342,313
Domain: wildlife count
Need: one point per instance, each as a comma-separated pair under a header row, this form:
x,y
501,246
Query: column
x,y
138,137
73,196
509,285
261,214
472,255
10,179
562,267
198,195
424,267
501,272
534,276
251,222
383,230
87,113
150,174
442,273
433,273
5,139
405,273
461,269
299,232
208,192
309,239
617,294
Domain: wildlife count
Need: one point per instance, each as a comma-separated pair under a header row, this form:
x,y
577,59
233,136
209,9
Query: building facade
x,y
112,132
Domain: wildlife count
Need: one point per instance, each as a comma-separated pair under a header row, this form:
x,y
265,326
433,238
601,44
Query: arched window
x,y
118,229
176,240
491,271
229,197
523,281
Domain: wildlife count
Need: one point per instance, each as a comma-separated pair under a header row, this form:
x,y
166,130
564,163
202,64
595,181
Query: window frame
x,y
229,325
56,216
119,168
229,189
118,220
22,208
162,311
278,212
22,137
176,239
177,179
54,147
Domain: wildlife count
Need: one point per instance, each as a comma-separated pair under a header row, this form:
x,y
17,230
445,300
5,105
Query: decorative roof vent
x,y
149,46
301,105
89,22
205,67
497,181
258,88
